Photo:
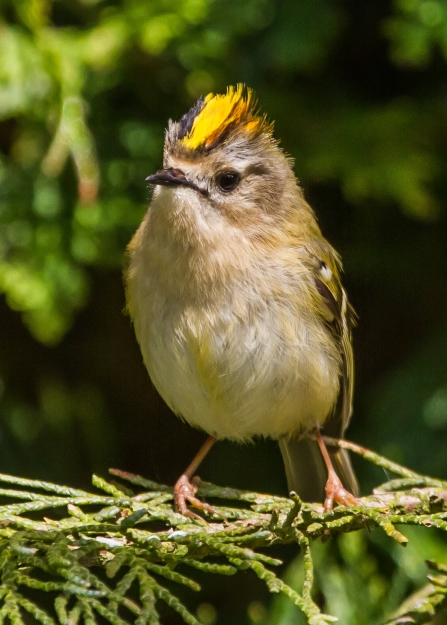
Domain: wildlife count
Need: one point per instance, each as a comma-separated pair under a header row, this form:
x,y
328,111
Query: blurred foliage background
x,y
359,94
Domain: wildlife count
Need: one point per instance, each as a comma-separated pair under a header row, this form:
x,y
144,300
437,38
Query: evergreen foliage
x,y
114,552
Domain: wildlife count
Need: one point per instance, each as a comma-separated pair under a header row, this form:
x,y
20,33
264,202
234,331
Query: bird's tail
x,y
306,471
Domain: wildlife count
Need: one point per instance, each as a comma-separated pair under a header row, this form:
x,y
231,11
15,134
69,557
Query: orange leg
x,y
335,491
186,487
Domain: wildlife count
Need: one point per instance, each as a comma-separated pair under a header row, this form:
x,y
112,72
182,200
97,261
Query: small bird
x,y
236,299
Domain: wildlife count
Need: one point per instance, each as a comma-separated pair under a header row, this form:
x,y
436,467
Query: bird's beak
x,y
173,178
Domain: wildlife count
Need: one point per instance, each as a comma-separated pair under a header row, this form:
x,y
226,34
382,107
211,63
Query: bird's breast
x,y
241,358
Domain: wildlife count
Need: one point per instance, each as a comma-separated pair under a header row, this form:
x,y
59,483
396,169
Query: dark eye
x,y
228,181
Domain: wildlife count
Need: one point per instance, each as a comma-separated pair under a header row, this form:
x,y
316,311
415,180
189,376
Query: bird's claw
x,y
335,491
184,494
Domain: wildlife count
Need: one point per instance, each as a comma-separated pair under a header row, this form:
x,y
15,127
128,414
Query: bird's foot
x,y
184,493
335,491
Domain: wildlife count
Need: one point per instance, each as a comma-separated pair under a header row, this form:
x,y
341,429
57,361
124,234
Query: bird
x,y
237,303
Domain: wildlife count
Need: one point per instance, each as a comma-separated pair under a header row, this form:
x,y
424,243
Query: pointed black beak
x,y
173,178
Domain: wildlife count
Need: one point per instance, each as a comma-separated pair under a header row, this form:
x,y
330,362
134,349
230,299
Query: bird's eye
x,y
228,181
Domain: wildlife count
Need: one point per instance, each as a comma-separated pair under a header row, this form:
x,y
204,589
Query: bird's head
x,y
222,159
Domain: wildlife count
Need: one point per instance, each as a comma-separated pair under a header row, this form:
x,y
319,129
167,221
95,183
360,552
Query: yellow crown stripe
x,y
234,108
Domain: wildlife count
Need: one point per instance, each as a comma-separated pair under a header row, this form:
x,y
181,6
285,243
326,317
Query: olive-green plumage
x,y
236,296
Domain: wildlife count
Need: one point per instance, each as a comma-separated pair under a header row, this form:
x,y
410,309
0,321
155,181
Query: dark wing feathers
x,y
339,317
305,469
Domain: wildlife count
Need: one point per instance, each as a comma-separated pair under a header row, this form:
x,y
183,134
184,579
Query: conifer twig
x,y
138,539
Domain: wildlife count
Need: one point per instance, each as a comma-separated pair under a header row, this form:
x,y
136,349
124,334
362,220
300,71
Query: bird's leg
x,y
186,486
335,491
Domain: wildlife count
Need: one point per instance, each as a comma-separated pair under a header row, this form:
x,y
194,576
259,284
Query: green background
x,y
358,92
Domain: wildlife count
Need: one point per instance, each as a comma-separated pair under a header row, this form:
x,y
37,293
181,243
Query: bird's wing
x,y
305,469
339,317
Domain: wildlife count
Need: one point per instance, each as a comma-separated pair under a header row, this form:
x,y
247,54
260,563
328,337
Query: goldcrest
x,y
236,298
